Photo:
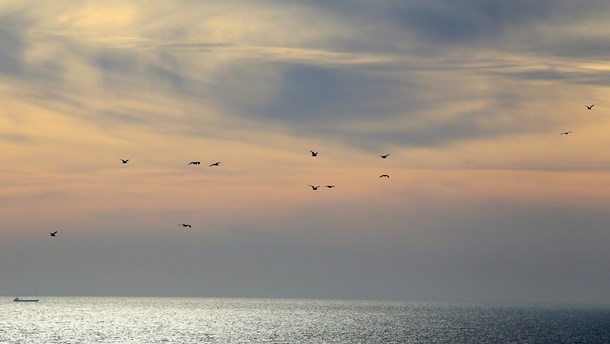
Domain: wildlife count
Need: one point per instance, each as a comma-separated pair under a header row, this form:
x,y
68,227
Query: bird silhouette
x,y
384,176
313,153
194,162
124,160
329,186
215,164
566,133
185,225
53,233
383,156
314,188
589,107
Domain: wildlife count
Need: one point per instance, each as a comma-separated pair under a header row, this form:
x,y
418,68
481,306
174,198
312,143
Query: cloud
x,y
305,94
447,22
308,82
468,98
12,43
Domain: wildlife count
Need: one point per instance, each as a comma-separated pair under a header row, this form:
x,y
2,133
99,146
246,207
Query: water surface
x,y
203,320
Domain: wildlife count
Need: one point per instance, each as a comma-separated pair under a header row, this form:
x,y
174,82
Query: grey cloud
x,y
128,69
307,94
425,28
15,40
451,22
455,22
116,61
324,101
458,22
319,100
12,43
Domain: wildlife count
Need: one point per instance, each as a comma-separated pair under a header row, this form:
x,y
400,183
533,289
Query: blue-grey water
x,y
201,320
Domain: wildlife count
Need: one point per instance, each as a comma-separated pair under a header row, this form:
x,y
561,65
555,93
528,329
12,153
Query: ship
x,y
24,300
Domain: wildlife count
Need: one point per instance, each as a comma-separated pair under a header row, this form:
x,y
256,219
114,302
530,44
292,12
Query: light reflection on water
x,y
198,320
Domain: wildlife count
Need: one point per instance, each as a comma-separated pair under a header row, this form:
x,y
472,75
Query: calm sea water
x,y
193,320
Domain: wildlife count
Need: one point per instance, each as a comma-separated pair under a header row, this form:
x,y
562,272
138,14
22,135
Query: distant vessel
x,y
24,300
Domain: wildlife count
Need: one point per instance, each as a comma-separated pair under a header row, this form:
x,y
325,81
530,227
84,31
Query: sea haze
x,y
202,320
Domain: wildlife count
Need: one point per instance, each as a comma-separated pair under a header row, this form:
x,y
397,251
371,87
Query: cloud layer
x,y
469,99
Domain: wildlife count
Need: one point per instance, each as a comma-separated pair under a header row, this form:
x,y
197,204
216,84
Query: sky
x,y
486,201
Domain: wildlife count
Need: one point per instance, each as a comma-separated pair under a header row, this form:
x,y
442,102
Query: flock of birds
x,y
217,164
313,187
589,107
316,187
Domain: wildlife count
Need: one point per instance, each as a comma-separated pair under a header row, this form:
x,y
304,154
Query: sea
x,y
219,320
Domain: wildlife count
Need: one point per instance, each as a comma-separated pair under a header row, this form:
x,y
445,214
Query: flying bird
x,y
314,188
194,162
566,133
313,153
384,176
124,160
329,186
215,164
185,225
383,156
53,233
589,107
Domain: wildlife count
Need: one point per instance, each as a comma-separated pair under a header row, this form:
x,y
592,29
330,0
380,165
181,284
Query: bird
x,y
384,176
194,162
124,160
329,186
589,107
314,153
185,225
566,133
53,233
383,156
215,164
314,188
